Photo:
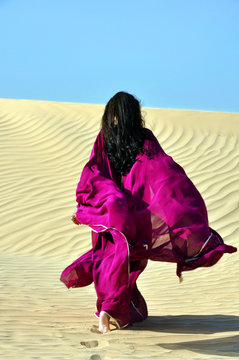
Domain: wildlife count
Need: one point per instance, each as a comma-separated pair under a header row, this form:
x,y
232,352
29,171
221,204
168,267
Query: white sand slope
x,y
44,146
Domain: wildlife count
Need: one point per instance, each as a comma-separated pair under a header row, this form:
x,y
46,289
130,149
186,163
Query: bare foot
x,y
104,323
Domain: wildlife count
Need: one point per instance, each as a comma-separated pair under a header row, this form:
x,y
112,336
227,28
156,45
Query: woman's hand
x,y
74,219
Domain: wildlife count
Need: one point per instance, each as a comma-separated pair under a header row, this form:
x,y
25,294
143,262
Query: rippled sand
x,y
44,146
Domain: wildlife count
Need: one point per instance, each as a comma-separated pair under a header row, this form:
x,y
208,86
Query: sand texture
x,y
44,146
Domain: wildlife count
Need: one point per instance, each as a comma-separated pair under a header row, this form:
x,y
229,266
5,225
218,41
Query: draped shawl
x,y
155,211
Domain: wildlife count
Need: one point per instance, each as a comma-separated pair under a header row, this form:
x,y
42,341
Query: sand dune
x,y
44,146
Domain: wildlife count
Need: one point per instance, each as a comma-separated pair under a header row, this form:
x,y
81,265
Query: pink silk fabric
x,y
154,212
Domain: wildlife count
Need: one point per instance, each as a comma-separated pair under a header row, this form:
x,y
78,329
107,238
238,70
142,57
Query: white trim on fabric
x,y
108,228
196,256
136,309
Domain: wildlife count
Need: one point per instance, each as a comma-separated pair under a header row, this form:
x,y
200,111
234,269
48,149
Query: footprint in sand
x,y
94,343
94,329
95,357
90,344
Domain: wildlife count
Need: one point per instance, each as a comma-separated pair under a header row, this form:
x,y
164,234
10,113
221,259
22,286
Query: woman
x,y
140,205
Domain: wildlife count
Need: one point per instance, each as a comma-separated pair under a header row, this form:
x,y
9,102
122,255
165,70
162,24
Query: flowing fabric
x,y
154,212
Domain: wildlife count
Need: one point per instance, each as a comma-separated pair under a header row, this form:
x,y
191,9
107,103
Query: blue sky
x,y
170,54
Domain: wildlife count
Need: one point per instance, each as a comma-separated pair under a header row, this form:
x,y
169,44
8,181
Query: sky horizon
x,y
169,54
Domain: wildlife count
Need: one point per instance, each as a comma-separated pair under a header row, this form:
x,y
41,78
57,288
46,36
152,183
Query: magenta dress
x,y
154,212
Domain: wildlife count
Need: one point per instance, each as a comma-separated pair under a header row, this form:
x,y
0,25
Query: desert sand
x,y
44,146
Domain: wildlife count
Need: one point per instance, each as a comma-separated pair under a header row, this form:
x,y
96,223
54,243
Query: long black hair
x,y
123,131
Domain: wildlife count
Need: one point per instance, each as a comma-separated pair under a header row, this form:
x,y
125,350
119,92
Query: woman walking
x,y
140,205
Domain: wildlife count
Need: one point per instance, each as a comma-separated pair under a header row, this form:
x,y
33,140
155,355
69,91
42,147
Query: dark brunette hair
x,y
123,131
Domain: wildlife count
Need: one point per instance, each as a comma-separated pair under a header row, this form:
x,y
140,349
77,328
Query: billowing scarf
x,y
154,211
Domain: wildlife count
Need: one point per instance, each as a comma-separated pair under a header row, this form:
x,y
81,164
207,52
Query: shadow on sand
x,y
197,324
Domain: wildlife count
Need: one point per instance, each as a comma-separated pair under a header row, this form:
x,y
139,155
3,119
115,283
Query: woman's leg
x,y
125,304
126,309
104,322
118,295
110,274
